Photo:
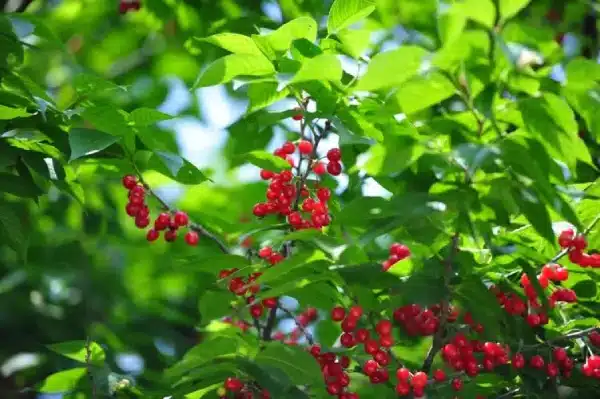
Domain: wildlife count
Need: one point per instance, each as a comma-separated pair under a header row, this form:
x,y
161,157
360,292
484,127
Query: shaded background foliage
x,y
73,266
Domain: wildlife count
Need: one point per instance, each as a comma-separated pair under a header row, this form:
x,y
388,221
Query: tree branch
x,y
439,335
88,366
304,331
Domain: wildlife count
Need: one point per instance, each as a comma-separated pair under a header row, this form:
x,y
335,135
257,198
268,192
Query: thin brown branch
x,y
303,330
445,308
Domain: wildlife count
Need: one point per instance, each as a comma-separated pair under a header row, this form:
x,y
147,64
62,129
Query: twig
x,y
308,335
88,366
439,335
571,335
271,319
194,226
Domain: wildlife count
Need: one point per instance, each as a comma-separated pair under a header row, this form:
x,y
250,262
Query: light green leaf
x,y
344,13
582,73
63,381
87,84
481,11
77,350
510,8
281,39
233,42
391,68
227,68
299,366
12,113
321,67
88,141
107,119
355,41
393,156
263,94
148,116
214,305
451,23
422,92
265,160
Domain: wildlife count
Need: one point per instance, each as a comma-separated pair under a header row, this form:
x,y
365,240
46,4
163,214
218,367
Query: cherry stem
x,y
198,228
88,359
439,335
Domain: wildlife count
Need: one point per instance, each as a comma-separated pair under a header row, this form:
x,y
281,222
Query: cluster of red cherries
x,y
129,5
169,222
576,244
398,252
241,390
282,193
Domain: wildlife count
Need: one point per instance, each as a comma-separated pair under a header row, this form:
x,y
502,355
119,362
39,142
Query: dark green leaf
x,y
88,141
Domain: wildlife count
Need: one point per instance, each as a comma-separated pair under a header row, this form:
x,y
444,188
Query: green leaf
x,y
263,94
344,13
148,116
321,67
355,41
91,85
214,305
177,167
12,229
21,186
63,381
535,211
300,367
233,42
88,141
77,350
481,11
582,73
384,72
227,68
265,160
510,8
108,119
12,113
393,156
300,28
451,23
422,92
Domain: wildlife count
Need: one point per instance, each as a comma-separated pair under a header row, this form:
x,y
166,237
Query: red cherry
x,y
384,327
347,340
256,310
338,313
191,238
152,235
565,238
162,221
363,334
355,312
288,147
270,303
559,354
537,362
419,380
579,243
266,174
439,375
233,384
298,116
129,181
132,209
403,374
371,346
323,194
259,210
265,252
142,222
319,168
370,367
305,147
457,384
400,250
170,235
334,168
403,388
181,219
334,155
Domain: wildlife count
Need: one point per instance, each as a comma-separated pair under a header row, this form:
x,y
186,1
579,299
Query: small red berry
x,y
334,155
298,116
439,375
233,384
334,168
457,384
319,168
266,174
323,194
270,303
265,252
338,313
142,222
355,312
129,181
259,210
170,235
305,147
181,219
152,235
419,380
288,147
192,238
